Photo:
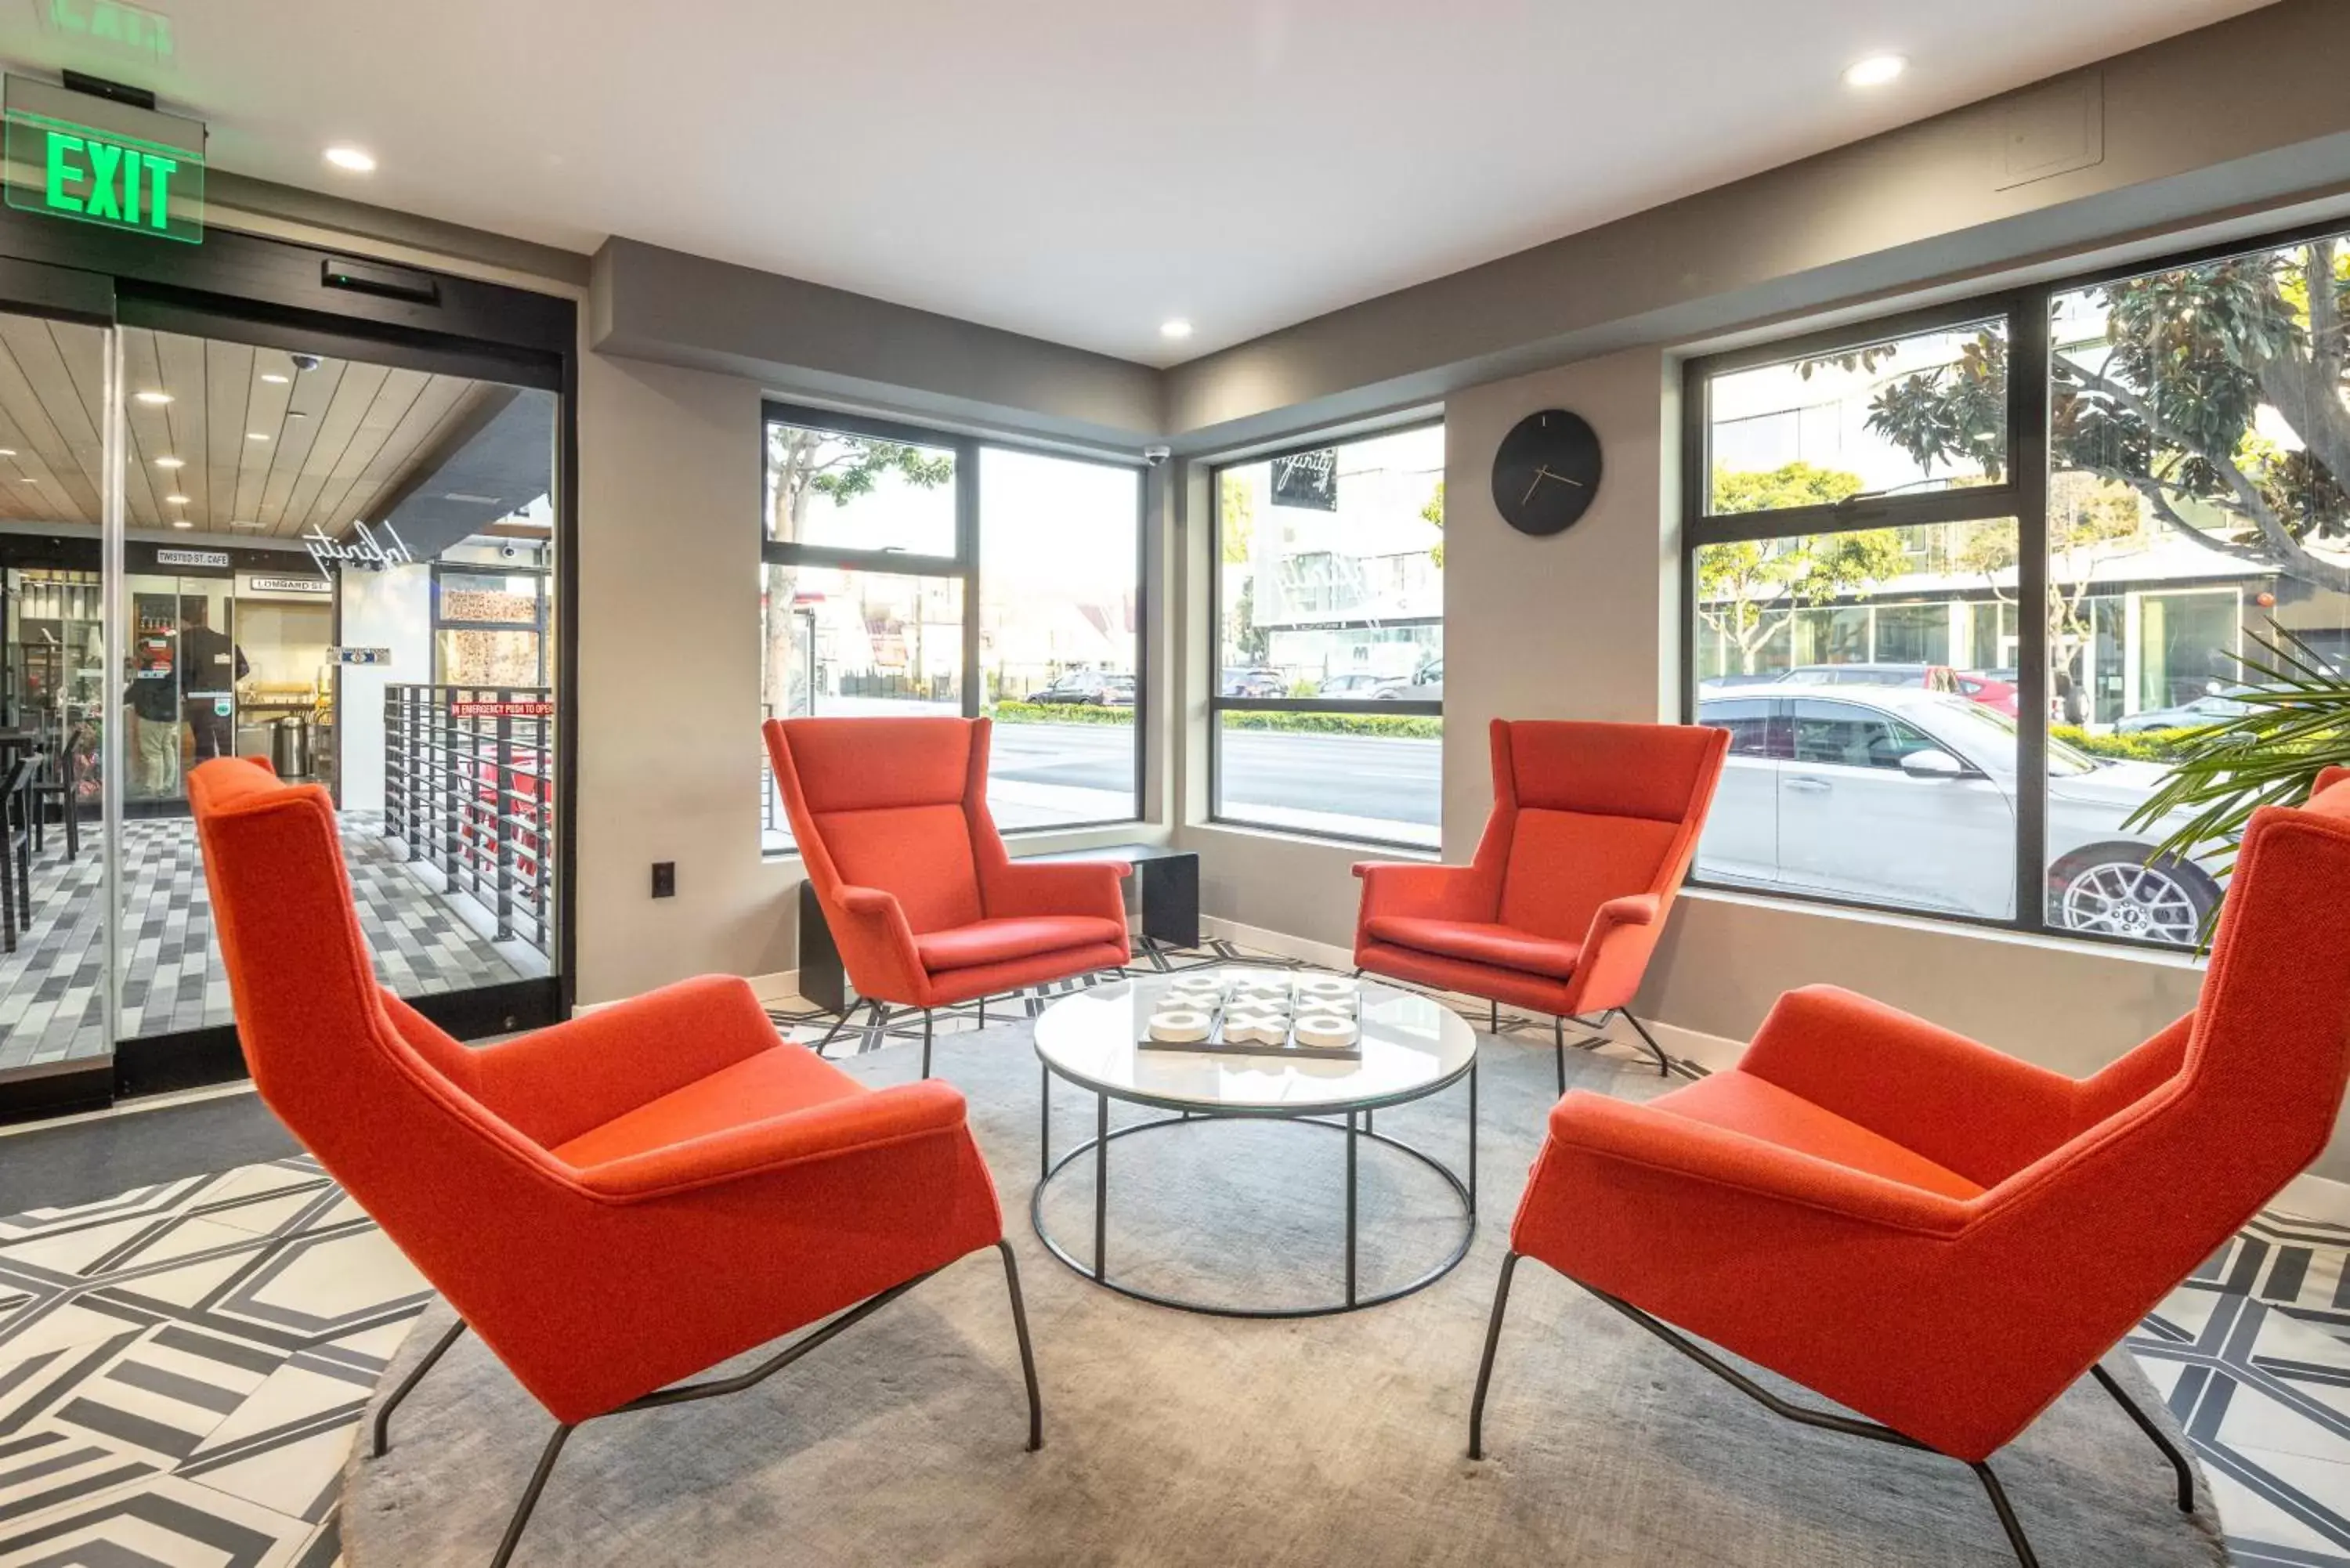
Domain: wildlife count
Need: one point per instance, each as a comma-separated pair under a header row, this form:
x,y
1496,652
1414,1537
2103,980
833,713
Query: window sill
x,y
1927,925
1374,847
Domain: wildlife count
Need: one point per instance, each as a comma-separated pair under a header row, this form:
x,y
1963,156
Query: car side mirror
x,y
1933,764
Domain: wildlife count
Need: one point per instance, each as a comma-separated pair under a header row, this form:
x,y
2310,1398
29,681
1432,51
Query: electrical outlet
x,y
664,879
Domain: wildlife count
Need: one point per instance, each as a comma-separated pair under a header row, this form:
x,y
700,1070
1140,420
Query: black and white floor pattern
x,y
182,1367
52,996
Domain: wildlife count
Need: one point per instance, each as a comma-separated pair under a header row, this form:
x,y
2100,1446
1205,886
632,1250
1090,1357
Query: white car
x,y
1907,797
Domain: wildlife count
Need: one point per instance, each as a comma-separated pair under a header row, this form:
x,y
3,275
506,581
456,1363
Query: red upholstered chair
x,y
1593,829
890,817
1943,1238
612,1204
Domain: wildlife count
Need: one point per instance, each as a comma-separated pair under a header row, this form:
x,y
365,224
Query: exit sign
x,y
95,161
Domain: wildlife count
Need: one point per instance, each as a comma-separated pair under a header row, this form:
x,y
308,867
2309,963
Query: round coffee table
x,y
1411,1048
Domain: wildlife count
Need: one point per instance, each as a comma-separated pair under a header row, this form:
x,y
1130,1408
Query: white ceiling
x,y
1078,169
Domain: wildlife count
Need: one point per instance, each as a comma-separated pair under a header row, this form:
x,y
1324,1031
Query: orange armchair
x,y
926,908
613,1203
1941,1237
1593,829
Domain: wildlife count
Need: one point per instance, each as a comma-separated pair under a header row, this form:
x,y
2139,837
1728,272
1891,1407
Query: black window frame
x,y
1219,704
2022,496
962,564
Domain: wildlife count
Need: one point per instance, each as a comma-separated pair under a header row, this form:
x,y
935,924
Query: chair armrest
x,y
836,1129
1963,1106
1058,888
1416,889
1624,931
1653,1137
558,1082
877,946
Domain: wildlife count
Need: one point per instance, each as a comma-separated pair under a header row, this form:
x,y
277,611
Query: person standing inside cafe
x,y
210,664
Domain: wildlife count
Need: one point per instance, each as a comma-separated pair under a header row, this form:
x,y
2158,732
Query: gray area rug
x,y
1173,1438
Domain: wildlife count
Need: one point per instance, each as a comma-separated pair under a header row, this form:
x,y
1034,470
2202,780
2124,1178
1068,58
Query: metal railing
x,y
469,788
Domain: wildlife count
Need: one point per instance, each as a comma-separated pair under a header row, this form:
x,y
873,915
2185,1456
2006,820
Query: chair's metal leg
x,y
530,1495
838,1025
2171,1450
415,1375
1558,1049
926,1042
1027,1355
1495,1022
983,1013
1486,1365
2008,1522
1664,1062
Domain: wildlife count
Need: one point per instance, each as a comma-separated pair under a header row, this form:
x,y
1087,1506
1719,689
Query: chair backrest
x,y
1584,812
885,804
2201,1127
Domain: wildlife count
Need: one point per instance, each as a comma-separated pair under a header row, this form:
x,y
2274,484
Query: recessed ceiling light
x,y
177,500
7,451
181,523
256,435
158,398
352,159
1178,327
274,378
170,462
1875,70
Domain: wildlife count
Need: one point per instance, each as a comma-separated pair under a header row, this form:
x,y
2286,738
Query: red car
x,y
1999,696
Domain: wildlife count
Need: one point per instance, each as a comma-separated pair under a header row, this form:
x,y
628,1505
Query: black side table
x,y
1167,882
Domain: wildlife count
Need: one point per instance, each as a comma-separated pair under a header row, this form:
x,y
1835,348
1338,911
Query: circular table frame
x,y
1356,1127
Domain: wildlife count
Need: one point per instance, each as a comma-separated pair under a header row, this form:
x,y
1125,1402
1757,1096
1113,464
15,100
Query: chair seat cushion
x,y
774,1082
1001,940
1505,947
1760,1108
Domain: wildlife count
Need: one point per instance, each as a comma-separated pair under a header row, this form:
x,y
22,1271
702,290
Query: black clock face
x,y
1546,471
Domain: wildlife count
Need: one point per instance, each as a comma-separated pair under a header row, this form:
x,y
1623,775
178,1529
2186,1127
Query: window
x,y
1329,697
904,571
1989,566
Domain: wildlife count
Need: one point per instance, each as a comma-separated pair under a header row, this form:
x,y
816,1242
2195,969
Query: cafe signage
x,y
95,161
216,559
366,547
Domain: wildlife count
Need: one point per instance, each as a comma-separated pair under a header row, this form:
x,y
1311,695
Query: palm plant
x,y
2297,723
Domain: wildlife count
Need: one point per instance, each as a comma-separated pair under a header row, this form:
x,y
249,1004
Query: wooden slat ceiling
x,y
262,447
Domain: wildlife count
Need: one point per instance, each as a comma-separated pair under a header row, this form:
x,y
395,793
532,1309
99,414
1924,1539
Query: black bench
x,y
1169,886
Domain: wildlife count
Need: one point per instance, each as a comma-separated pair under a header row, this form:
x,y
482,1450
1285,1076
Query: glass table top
x,y
1410,1045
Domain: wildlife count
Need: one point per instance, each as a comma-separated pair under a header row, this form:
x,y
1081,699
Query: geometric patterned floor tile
x,y
183,1367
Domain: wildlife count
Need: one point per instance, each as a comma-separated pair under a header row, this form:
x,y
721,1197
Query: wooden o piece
x,y
1326,1031
1180,1026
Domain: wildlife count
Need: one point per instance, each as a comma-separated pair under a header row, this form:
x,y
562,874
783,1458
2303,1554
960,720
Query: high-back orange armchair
x,y
1593,827
1937,1236
925,906
611,1204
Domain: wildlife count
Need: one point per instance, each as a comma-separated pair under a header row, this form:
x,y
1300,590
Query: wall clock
x,y
1546,471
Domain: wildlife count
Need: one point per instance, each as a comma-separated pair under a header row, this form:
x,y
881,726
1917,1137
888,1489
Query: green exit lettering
x,y
76,171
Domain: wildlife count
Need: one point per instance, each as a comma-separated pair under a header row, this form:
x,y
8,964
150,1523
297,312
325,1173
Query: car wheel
x,y
2113,891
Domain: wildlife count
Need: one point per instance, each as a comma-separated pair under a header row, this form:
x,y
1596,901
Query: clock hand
x,y
1543,473
1529,495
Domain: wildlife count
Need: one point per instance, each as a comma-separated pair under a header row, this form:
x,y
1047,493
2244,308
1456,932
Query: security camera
x,y
509,551
1155,455
305,361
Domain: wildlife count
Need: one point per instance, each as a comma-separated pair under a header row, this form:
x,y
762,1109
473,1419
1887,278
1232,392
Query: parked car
x,y
1909,796
2211,707
1355,684
1073,686
1254,681
1982,686
1925,677
1118,691
1426,686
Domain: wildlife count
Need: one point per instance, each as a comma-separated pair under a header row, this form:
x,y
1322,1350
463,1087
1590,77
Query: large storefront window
x,y
1329,695
906,572
2023,652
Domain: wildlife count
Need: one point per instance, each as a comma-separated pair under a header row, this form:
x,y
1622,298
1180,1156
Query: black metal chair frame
x,y
18,806
65,765
1849,1425
685,1393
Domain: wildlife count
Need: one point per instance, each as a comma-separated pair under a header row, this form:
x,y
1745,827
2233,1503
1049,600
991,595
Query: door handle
x,y
1810,786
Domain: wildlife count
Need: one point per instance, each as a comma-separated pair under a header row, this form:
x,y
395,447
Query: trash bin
x,y
289,748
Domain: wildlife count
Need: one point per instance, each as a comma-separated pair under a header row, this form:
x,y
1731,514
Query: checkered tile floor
x,y
183,1368
52,987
